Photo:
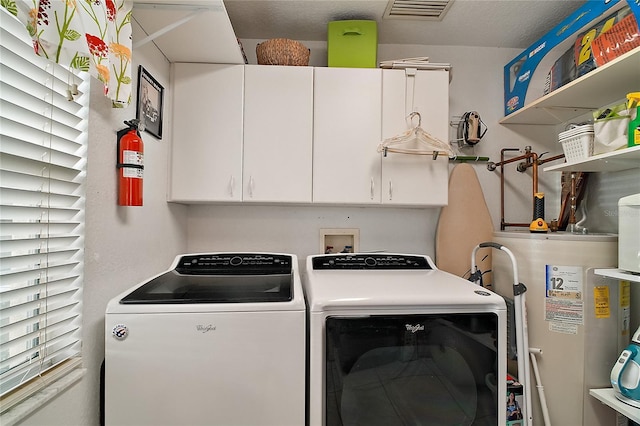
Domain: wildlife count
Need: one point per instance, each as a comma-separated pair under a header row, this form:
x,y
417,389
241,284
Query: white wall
x,y
123,245
297,229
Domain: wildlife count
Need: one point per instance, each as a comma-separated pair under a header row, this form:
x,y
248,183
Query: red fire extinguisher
x,y
130,164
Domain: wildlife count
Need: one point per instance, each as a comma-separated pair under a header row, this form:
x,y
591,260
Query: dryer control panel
x,y
370,261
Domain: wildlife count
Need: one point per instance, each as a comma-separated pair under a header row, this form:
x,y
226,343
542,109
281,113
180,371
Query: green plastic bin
x,y
352,44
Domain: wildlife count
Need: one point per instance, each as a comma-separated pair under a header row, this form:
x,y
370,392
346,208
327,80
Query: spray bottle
x,y
634,125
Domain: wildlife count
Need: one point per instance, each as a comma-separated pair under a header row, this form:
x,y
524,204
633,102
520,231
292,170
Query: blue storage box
x,y
525,76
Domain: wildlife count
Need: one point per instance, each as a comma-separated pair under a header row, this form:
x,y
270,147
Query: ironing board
x,y
464,223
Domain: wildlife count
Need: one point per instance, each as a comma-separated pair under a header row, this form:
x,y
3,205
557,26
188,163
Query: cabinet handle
x,y
373,186
390,190
232,184
251,187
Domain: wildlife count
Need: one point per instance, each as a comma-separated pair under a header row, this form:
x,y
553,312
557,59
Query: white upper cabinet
x,y
354,110
206,154
347,129
415,179
278,132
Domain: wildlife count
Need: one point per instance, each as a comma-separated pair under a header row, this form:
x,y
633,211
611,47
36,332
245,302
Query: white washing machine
x,y
395,341
218,339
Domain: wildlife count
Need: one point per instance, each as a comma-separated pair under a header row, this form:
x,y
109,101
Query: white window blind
x,y
43,138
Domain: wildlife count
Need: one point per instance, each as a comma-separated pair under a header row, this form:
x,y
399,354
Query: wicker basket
x,y
282,51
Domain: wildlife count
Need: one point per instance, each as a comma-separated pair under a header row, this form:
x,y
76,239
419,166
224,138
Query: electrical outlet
x,y
339,240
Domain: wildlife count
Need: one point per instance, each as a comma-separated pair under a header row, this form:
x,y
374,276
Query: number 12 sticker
x,y
564,282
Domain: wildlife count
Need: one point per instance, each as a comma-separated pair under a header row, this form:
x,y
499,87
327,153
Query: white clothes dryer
x,y
395,341
218,339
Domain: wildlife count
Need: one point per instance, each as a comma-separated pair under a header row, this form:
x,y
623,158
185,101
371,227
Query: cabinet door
x,y
347,130
206,154
278,131
415,179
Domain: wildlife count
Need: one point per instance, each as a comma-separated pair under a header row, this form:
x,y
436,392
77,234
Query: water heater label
x,y
559,327
602,304
564,294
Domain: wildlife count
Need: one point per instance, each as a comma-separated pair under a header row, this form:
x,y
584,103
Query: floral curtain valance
x,y
87,35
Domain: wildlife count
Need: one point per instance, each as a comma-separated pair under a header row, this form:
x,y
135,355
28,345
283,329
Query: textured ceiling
x,y
489,23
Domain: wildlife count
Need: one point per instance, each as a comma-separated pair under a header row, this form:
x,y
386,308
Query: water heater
x,y
578,319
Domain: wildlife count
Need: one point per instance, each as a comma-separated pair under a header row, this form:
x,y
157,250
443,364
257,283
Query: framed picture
x,y
149,108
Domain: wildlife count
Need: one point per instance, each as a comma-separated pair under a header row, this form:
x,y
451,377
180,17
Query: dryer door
x,y
411,370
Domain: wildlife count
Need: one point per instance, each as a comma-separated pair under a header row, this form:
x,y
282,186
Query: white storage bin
x,y
577,143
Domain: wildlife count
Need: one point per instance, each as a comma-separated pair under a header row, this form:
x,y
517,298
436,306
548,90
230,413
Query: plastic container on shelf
x,y
634,124
577,143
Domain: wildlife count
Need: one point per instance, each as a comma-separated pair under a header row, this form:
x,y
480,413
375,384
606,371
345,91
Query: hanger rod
x,y
465,158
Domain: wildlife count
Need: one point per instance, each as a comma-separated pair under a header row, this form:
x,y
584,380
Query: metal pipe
x,y
531,160
546,160
573,204
514,159
515,224
492,166
554,158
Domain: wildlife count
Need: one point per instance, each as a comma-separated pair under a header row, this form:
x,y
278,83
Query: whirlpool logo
x,y
414,328
205,328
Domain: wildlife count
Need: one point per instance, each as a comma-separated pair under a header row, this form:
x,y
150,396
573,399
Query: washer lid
x,y
220,278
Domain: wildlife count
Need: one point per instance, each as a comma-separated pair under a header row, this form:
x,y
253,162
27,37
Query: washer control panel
x,y
370,261
234,263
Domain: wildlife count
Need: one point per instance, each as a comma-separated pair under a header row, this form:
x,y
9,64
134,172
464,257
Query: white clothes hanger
x,y
428,144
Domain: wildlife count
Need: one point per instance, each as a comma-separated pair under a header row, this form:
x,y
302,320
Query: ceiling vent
x,y
432,10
